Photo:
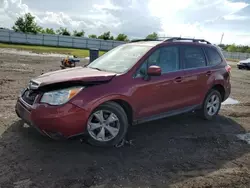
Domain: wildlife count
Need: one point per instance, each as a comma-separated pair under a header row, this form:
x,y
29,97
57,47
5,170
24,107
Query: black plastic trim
x,y
167,114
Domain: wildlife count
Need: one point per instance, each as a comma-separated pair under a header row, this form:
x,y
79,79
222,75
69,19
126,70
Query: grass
x,y
47,49
59,50
233,60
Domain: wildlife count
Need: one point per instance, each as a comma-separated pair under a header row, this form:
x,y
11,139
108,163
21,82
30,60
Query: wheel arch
x,y
221,89
120,100
127,108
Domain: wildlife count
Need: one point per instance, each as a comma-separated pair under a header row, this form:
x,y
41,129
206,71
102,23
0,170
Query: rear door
x,y
196,75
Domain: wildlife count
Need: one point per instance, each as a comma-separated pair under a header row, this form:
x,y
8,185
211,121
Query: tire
x,y
205,113
122,122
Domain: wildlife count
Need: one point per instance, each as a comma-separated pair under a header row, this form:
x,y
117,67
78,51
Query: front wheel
x,y
107,125
211,105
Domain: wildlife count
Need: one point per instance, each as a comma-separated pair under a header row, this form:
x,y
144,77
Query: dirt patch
x,y
28,53
229,178
5,81
239,114
181,151
244,104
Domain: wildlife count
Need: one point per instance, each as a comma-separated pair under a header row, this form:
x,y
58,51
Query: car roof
x,y
173,40
155,43
146,43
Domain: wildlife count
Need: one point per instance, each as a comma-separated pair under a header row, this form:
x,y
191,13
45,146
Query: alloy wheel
x,y
103,125
213,105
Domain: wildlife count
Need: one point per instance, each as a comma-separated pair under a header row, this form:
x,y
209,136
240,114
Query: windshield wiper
x,y
104,70
96,68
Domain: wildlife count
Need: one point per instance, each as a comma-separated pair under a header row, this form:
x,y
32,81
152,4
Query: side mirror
x,y
154,70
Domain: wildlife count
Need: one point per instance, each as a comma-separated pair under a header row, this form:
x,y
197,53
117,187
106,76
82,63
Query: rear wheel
x,y
107,125
211,105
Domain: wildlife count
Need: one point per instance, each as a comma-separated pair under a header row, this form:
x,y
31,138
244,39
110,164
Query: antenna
x,y
221,38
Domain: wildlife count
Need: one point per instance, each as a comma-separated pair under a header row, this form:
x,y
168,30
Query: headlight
x,y
61,96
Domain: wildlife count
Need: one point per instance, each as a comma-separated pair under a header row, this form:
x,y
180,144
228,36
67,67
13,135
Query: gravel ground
x,y
181,151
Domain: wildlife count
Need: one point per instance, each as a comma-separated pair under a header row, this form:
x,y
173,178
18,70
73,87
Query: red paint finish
x,y
67,119
154,70
147,96
196,85
73,74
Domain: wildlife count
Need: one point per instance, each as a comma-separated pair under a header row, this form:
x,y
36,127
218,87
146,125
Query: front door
x,y
159,94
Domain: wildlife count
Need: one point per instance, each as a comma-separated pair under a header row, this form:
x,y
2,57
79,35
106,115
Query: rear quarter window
x,y
193,57
213,56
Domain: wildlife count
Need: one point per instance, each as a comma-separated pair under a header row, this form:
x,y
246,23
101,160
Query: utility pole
x,y
221,38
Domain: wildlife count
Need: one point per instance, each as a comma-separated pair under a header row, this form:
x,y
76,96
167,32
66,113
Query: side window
x,y
154,58
169,59
166,57
214,57
194,57
142,70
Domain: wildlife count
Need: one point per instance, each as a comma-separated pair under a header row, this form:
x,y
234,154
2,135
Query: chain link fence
x,y
236,55
10,36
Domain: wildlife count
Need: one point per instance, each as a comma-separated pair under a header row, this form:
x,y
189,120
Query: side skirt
x,y
167,114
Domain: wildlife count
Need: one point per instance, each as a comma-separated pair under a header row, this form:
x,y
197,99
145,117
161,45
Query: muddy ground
x,y
181,151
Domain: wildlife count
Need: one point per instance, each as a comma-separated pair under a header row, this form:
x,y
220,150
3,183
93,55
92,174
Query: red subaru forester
x,y
133,83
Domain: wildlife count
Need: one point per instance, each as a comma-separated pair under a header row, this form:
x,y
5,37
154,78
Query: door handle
x,y
208,73
178,79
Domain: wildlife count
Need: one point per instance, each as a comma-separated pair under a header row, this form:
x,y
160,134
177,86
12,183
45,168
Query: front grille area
x,y
29,96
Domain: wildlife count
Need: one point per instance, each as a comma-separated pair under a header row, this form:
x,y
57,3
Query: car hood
x,y
83,74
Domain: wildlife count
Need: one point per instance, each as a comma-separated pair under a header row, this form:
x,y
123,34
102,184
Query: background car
x,y
244,64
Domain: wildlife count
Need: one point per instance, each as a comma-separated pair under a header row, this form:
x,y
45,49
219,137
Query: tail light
x,y
228,68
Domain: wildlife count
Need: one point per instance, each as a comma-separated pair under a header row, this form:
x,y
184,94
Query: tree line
x,y
235,48
27,24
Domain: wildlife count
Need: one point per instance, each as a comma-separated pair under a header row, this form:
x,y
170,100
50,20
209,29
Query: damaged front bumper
x,y
56,122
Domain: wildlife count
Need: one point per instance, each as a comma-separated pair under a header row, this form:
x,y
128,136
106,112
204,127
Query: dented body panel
x,y
145,98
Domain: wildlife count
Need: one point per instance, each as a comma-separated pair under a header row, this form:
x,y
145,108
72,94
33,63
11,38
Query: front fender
x,y
95,104
92,104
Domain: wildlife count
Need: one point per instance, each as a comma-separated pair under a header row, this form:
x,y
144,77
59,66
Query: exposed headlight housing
x,y
59,97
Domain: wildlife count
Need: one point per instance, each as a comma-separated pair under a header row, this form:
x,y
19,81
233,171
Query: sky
x,y
207,19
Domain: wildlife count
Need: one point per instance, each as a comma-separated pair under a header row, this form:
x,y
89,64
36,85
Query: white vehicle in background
x,y
244,64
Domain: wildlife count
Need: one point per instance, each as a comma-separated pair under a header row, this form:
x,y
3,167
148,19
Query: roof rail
x,y
191,39
138,40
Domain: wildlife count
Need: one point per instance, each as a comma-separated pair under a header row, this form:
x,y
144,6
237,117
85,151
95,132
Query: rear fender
x,y
217,84
213,81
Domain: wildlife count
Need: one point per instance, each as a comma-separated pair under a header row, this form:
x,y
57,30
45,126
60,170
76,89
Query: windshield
x,y
119,59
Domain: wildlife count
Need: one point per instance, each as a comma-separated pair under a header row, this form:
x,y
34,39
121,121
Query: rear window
x,y
194,57
213,56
